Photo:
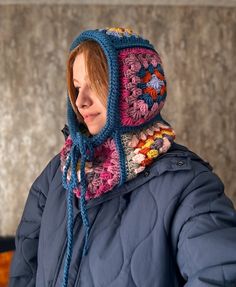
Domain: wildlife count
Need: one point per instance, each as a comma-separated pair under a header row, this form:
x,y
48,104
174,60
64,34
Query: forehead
x,y
79,68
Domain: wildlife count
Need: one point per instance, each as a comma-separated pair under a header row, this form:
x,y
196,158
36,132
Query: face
x,y
88,104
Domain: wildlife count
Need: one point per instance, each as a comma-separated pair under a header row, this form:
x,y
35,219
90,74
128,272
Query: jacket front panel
x,y
124,235
144,233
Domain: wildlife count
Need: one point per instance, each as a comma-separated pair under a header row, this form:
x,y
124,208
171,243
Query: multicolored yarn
x,y
140,149
143,85
144,147
134,134
119,32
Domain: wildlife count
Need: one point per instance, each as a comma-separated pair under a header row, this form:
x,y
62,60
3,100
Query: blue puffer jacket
x,y
171,226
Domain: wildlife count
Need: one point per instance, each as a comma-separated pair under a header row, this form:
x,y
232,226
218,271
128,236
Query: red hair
x,y
97,68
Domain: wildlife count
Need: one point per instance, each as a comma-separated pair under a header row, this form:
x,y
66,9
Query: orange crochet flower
x,y
159,75
147,78
140,144
152,92
147,161
144,150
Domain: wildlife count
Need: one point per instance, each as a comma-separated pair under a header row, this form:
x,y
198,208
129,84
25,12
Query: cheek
x,y
105,114
103,118
103,109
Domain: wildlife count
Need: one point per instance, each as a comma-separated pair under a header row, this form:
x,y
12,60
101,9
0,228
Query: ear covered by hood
x,y
137,85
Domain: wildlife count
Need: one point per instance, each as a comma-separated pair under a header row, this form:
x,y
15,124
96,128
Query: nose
x,y
84,99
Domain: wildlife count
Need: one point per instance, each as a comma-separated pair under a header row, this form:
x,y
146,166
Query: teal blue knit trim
x,y
120,149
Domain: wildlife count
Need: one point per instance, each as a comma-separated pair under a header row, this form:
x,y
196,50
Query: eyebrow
x,y
75,80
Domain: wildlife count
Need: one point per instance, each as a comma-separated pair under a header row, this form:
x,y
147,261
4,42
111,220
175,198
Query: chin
x,y
94,131
94,128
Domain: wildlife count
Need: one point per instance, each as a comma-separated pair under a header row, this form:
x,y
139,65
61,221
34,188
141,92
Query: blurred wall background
x,y
196,40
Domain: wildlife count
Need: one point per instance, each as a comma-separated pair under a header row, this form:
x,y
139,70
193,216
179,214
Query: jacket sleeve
x,y
24,263
205,231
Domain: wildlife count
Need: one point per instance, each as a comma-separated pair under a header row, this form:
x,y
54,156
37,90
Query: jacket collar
x,y
178,158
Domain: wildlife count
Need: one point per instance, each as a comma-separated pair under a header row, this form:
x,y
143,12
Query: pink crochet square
x,y
143,85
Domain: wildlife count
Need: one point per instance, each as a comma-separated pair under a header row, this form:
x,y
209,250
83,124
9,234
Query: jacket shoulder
x,y
48,174
180,171
180,158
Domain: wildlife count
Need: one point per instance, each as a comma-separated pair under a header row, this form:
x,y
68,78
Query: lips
x,y
90,117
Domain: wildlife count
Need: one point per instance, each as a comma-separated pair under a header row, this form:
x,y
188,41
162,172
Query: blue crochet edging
x,y
120,148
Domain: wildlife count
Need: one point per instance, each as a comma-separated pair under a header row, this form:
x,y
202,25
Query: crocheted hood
x,y
134,133
137,85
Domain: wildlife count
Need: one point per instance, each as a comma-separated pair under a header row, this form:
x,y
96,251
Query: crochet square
x,y
143,85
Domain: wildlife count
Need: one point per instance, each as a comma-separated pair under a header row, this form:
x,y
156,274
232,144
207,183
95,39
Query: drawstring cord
x,y
85,146
81,147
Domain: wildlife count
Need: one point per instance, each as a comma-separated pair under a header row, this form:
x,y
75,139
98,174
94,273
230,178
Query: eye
x,y
77,91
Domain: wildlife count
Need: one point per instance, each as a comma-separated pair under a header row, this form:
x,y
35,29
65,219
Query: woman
x,y
123,204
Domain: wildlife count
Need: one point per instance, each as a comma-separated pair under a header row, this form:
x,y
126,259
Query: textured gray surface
x,y
197,45
214,3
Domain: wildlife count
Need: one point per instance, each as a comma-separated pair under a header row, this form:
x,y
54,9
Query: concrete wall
x,y
197,45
